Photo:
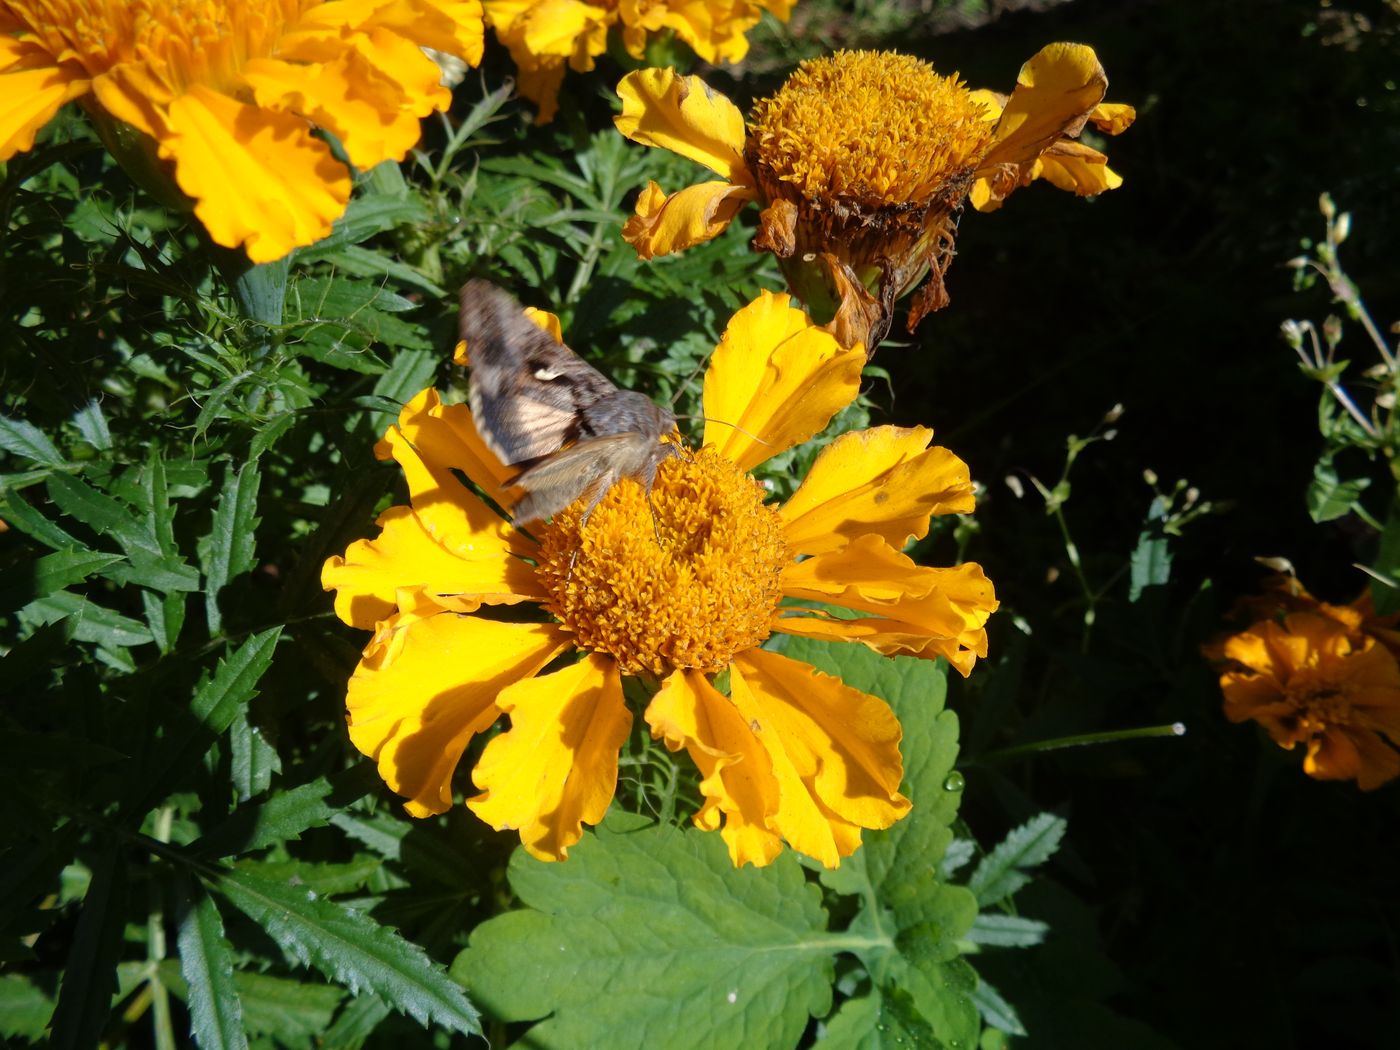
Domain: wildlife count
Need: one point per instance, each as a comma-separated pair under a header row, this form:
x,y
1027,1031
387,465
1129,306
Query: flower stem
x,y
1173,729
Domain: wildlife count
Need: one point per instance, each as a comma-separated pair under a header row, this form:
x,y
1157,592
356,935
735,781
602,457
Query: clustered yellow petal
x,y
545,37
681,586
861,162
1324,676
225,96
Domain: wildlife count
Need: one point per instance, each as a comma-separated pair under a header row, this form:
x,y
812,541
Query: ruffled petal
x,y
661,225
1055,92
775,380
446,436
926,611
885,480
1075,168
740,791
29,98
257,176
683,115
556,768
557,28
453,26
427,685
835,752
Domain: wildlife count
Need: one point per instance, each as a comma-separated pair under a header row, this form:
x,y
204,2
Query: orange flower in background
x,y
861,162
546,37
672,587
227,94
1308,680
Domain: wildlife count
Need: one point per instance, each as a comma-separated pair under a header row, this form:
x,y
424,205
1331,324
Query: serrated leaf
x,y
212,710
996,1011
90,975
228,550
926,1011
1329,497
408,373
1007,931
955,857
1001,872
279,818
356,1023
651,929
92,425
24,439
25,1008
52,572
350,948
85,621
21,515
101,513
206,963
252,759
165,615
285,1009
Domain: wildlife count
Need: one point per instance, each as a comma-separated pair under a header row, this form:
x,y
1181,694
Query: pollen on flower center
x,y
873,126
683,579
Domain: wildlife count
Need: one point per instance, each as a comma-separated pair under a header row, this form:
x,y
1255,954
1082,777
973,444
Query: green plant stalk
x,y
1173,729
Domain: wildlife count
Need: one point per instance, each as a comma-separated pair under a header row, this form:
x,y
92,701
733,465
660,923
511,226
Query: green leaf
x,y
85,621
286,1010
252,759
90,975
228,550
1151,561
350,948
651,929
281,817
357,1023
213,709
25,1008
1002,872
206,962
1329,497
101,513
29,521
1007,931
28,441
92,425
996,1011
53,572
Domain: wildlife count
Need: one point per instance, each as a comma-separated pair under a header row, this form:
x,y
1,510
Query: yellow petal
x,y
405,555
1054,92
947,607
661,225
446,436
1075,168
453,26
1113,118
775,380
835,752
739,788
257,176
683,115
885,480
554,28
29,98
422,690
556,769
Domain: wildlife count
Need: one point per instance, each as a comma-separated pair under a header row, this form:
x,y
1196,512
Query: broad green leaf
x,y
90,975
206,962
1007,931
92,425
285,1009
228,550
25,439
1002,871
911,1016
1329,497
350,948
326,879
648,930
1151,561
212,711
25,1008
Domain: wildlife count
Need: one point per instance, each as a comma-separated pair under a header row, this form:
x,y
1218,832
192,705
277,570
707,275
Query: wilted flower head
x,y
1308,680
862,161
671,587
224,96
546,37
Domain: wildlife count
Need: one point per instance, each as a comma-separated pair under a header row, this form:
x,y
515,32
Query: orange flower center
x,y
1321,698
174,43
683,578
875,126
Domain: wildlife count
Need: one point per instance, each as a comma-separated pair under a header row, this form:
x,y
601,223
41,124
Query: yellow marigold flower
x,y
545,37
1308,680
861,162
674,587
228,94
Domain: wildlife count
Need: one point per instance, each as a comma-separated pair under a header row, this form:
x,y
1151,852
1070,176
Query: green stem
x,y
1079,740
155,947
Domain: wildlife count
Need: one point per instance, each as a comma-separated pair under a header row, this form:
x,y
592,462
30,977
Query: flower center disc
x,y
875,126
685,579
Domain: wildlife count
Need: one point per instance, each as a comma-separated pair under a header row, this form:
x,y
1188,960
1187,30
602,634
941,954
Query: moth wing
x,y
527,391
589,468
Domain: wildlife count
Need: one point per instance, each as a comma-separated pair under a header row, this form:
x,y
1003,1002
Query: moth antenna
x,y
726,423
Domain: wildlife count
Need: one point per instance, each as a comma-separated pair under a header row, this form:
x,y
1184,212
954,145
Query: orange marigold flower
x,y
545,37
1307,679
224,96
673,587
861,162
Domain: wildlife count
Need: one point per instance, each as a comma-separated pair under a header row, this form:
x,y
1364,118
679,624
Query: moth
x,y
540,407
